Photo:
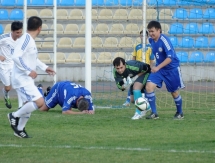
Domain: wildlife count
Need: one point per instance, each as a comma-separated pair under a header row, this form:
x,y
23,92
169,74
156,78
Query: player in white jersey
x,y
23,75
7,43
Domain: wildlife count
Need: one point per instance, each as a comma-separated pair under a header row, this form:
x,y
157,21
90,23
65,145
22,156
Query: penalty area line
x,y
104,148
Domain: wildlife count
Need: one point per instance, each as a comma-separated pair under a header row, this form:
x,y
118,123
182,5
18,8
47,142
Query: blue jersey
x,y
163,49
66,94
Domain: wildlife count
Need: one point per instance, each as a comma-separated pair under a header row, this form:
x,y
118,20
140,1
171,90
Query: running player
x,y
23,75
7,44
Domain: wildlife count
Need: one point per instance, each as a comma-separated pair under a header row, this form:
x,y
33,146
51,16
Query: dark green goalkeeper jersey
x,y
133,68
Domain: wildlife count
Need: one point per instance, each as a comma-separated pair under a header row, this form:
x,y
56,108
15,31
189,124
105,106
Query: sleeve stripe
x,y
27,39
4,36
23,64
165,43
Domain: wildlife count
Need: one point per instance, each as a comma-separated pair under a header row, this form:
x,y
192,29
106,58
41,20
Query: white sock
x,y
22,121
27,108
5,93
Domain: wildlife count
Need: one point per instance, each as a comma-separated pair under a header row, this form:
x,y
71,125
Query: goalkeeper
x,y
131,75
138,55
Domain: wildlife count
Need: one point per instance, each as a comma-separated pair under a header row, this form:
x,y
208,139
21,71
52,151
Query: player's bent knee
x,y
40,102
150,87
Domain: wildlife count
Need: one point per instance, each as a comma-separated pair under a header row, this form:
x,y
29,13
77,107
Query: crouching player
x,y
131,75
69,96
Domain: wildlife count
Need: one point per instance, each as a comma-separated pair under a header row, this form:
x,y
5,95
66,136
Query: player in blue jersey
x,y
167,70
131,75
69,96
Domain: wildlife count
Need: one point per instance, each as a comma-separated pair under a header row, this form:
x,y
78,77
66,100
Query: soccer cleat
x,y
178,116
47,91
13,121
126,103
40,86
152,116
139,116
7,100
21,134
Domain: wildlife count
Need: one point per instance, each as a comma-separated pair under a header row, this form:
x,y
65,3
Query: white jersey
x,y
7,45
25,60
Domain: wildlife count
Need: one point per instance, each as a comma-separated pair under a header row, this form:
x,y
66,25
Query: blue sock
x,y
128,96
41,90
137,94
178,103
152,99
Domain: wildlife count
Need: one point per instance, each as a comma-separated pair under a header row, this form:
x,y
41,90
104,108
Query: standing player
x,y
138,72
7,44
138,55
23,75
69,95
167,70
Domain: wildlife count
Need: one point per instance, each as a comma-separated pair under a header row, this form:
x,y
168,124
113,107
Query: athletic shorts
x,y
51,100
5,74
141,79
172,79
28,93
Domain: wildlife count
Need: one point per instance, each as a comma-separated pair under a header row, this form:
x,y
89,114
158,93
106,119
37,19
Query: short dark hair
x,y
154,24
83,104
147,33
16,25
117,60
34,23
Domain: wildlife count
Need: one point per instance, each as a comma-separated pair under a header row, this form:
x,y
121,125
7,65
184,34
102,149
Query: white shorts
x,y
5,74
28,93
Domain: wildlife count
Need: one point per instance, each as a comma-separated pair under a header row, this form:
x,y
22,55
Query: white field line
x,y
104,148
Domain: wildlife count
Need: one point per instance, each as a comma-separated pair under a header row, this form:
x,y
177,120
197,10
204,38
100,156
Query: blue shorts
x,y
51,99
172,79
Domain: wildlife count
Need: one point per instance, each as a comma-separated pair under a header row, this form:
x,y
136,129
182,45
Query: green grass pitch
x,y
110,136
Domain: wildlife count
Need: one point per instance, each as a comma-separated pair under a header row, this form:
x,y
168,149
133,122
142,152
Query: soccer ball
x,y
142,103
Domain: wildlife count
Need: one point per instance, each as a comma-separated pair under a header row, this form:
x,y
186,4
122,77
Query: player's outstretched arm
x,y
50,71
74,112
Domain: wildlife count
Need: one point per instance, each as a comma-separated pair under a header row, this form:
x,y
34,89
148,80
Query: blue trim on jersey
x,y
23,64
4,36
138,47
27,39
22,89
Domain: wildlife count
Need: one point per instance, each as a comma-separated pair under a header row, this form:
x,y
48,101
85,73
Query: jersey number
x,y
76,85
157,56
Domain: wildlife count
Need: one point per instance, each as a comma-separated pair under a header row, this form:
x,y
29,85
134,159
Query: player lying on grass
x,y
69,96
131,75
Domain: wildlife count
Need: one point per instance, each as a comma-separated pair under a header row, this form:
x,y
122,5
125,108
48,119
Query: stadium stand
x,y
180,13
212,43
46,13
76,14
186,42
62,14
48,42
111,2
66,3
174,41
79,42
176,28
131,28
169,2
104,57
83,27
210,57
96,42
151,14
61,58
1,29
105,14
191,28
64,42
101,28
196,57
116,29
32,12
201,42
119,54
73,57
209,13
182,56
8,2
45,29
79,3
165,14
126,42
60,29
71,29
4,14
206,28
120,14
16,14
37,3
110,42
195,13
7,28
135,14
93,58
44,57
